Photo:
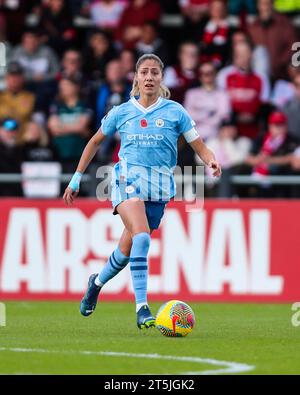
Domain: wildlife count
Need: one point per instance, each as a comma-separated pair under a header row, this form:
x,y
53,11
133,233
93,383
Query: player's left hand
x,y
216,168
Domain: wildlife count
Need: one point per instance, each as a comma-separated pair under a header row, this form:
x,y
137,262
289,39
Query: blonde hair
x,y
163,90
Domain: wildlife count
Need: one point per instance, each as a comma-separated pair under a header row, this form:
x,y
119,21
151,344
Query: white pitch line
x,y
227,367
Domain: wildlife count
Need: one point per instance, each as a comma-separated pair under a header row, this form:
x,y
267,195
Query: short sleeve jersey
x,y
148,152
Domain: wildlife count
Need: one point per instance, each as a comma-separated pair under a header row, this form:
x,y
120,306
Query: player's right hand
x,y
69,196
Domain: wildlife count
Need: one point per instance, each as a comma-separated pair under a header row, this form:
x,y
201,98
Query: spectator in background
x,y
106,14
8,49
207,104
71,66
295,162
236,7
183,75
14,14
195,13
272,154
39,61
114,91
284,90
231,152
150,42
249,92
69,123
10,156
98,53
36,145
260,60
56,26
292,110
15,101
40,65
128,59
133,18
215,41
276,32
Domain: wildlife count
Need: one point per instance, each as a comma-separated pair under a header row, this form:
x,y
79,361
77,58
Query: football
x,y
175,319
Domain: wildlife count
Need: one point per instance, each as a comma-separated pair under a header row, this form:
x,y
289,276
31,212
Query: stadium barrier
x,y
229,251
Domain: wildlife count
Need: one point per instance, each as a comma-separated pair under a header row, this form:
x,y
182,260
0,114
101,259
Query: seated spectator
x,y
260,61
10,156
195,13
14,14
237,7
15,101
231,152
296,159
150,42
272,154
207,105
183,75
36,145
56,26
98,53
133,18
106,14
248,90
40,65
215,41
114,91
194,10
71,66
276,33
8,49
284,90
128,60
39,61
69,123
292,110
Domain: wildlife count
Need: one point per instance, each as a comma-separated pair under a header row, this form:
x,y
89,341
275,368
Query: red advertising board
x,y
229,251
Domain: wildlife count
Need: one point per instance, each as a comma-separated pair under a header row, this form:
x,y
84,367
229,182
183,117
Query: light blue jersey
x,y
148,153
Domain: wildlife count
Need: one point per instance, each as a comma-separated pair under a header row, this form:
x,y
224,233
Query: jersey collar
x,y
144,109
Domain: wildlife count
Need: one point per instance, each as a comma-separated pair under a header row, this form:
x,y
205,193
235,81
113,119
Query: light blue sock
x,y
116,262
139,266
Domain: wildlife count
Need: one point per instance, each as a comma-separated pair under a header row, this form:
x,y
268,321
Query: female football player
x,y
149,125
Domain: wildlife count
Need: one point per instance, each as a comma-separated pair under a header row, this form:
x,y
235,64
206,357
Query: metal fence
x,y
189,183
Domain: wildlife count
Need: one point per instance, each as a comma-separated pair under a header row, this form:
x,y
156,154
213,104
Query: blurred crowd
x,y
228,62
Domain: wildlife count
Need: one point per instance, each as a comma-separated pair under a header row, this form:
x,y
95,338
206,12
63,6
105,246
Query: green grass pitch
x,y
53,338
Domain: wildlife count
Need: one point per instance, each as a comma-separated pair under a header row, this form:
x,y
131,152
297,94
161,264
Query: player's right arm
x,y
87,155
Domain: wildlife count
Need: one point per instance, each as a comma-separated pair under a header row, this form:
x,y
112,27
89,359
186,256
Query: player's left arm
x,y
206,155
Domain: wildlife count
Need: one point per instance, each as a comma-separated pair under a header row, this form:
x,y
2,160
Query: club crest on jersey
x,y
144,123
159,123
129,189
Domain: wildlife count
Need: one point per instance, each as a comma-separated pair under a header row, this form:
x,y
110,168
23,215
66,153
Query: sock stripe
x,y
138,267
139,259
113,265
113,259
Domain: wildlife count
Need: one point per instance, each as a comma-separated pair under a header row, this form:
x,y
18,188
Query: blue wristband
x,y
75,181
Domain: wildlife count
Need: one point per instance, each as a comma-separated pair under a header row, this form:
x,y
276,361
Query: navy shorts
x,y
154,213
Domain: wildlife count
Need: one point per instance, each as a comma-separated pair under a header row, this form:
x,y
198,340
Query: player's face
x,y
149,77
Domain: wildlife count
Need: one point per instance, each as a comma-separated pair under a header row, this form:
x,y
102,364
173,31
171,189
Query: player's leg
x,y
118,259
116,262
134,217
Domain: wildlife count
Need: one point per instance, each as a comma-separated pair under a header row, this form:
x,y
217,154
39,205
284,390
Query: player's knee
x,y
143,240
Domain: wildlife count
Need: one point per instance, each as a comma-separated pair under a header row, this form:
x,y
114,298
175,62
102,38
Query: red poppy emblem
x,y
144,123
